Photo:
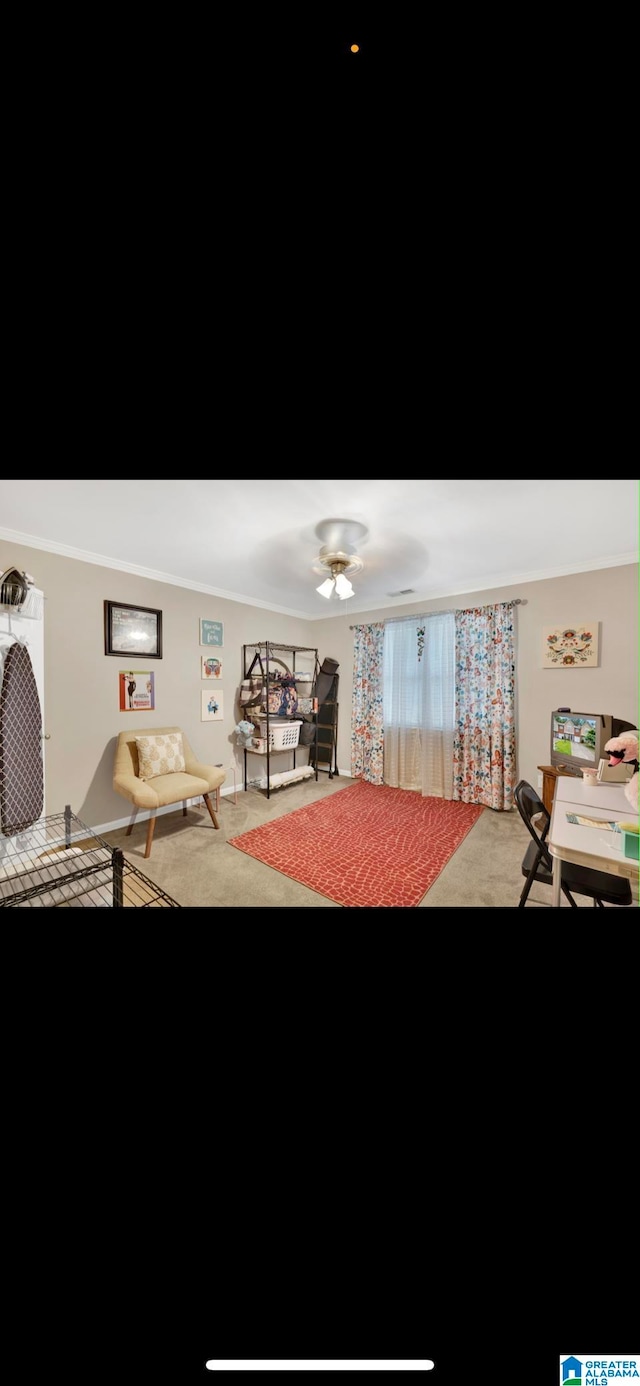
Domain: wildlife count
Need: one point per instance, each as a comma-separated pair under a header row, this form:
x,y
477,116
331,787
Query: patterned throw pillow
x,y
160,755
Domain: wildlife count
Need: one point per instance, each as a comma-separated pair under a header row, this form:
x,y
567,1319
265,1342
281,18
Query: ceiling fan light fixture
x,y
326,588
337,585
339,563
343,587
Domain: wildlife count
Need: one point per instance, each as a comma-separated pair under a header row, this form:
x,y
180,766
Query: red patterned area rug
x,y
367,845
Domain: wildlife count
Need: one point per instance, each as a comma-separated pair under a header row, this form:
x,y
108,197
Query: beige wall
x,y
609,596
82,715
81,712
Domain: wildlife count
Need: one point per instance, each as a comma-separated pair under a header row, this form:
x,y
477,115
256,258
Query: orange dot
x,y
355,48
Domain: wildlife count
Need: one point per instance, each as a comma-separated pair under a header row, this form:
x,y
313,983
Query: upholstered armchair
x,y
135,777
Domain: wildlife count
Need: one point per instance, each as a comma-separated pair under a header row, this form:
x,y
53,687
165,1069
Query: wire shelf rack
x,y
60,860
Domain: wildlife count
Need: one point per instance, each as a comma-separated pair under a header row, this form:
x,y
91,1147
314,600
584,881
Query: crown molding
x,y
31,541
485,584
348,607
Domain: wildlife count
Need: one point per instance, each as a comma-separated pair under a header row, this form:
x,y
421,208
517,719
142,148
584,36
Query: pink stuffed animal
x,y
623,750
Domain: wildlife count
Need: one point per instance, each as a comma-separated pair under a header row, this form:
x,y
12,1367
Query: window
x,y
420,693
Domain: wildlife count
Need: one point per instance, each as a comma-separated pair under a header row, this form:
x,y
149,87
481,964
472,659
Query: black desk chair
x,y
537,863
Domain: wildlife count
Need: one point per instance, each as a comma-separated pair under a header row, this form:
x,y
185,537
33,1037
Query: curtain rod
x,y
450,611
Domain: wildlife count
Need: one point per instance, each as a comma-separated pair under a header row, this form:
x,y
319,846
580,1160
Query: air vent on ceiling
x,y
404,592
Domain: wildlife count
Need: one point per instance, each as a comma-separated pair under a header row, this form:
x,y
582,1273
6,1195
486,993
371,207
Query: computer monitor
x,y
578,739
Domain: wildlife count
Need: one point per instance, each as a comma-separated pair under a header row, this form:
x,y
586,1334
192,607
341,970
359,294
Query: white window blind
x,y
419,704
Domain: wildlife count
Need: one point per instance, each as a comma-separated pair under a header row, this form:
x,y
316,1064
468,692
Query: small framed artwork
x,y
211,633
137,690
212,705
211,667
567,647
132,630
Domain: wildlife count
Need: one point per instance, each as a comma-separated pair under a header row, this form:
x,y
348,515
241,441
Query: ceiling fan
x,y
338,556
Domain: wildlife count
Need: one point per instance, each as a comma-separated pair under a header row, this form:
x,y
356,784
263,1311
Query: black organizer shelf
x,y
325,750
258,659
59,860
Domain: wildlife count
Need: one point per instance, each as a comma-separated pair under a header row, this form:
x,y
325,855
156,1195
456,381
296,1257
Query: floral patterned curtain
x,y
484,745
367,734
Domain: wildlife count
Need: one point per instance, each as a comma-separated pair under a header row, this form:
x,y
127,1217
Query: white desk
x,y
586,846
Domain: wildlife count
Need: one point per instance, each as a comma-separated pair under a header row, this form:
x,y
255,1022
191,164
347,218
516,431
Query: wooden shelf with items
x,y
277,731
550,774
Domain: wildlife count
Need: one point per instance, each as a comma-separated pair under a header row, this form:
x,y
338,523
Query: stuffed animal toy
x,y
244,732
623,750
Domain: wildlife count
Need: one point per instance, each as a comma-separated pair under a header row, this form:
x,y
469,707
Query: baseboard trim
x,y
143,815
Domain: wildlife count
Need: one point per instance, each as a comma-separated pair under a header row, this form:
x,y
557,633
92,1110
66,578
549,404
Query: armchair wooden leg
x,y
133,819
184,810
150,831
212,815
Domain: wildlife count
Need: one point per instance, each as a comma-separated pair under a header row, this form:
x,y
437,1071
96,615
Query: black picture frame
x,y
144,636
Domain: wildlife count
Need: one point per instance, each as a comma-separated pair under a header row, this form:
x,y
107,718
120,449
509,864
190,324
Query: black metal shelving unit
x,y
258,660
59,860
325,750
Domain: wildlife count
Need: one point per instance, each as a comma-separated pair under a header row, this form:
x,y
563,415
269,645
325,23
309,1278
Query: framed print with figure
x,y
212,709
137,690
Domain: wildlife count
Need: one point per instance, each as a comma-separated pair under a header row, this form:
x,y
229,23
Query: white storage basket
x,y
283,736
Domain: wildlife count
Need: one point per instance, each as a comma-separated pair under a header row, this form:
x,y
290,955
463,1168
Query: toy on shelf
x,y
623,750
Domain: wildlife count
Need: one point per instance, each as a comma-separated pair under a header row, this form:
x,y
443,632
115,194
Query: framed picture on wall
x,y
212,707
211,633
211,667
132,630
570,647
137,690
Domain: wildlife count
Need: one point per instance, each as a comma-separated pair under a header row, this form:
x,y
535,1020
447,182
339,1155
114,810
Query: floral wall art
x,y
566,647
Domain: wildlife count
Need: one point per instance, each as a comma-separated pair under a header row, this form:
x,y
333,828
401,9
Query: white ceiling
x,y
255,541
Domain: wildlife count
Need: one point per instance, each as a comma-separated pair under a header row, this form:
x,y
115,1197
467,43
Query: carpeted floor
x,y
376,846
198,866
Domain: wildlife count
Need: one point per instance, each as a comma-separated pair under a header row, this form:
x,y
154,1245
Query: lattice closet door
x,y
29,630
